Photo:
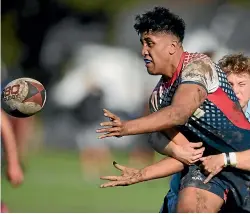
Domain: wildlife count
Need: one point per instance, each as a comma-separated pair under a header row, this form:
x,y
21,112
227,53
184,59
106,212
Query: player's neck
x,y
173,64
244,108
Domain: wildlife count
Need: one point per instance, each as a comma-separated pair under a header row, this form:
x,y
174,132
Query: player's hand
x,y
113,128
15,174
188,153
212,165
128,177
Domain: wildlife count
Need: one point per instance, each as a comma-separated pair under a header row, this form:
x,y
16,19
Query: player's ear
x,y
173,47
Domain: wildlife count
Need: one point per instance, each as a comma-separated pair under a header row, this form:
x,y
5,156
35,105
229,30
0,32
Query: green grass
x,y
53,183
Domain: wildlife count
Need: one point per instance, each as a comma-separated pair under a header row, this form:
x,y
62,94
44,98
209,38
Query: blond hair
x,y
235,64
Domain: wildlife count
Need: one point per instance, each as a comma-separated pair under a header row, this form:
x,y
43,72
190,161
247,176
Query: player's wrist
x,y
14,166
125,130
141,175
130,127
146,174
230,159
13,161
225,159
171,150
233,159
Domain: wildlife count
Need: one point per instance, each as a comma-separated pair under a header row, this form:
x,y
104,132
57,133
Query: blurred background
x,y
87,55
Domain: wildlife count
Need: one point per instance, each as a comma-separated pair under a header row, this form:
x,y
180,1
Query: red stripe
x,y
38,86
177,72
37,98
229,108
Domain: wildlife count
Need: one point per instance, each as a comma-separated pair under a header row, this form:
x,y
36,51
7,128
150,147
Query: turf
x,y
53,183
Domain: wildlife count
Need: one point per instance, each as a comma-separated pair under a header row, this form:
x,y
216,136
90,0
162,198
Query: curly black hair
x,y
160,19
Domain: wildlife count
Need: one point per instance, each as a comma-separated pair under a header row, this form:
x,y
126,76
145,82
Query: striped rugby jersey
x,y
219,122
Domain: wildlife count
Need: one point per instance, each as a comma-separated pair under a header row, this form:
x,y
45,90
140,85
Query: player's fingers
x,y
198,151
109,184
114,184
203,159
15,182
194,161
108,130
118,166
110,178
218,169
196,157
109,123
209,177
113,134
110,115
196,145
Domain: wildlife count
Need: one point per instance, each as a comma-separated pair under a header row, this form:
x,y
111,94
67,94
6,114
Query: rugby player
x,y
195,97
237,68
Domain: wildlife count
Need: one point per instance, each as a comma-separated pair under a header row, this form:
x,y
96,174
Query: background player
x,y
237,69
14,170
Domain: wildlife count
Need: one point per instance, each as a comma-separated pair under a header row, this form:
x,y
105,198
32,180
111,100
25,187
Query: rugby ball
x,y
23,97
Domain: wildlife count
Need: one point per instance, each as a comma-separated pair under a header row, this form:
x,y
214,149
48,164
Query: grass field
x,y
53,183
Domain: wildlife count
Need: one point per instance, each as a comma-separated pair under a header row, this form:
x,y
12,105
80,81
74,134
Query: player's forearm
x,y
243,160
9,141
165,118
170,148
164,168
177,138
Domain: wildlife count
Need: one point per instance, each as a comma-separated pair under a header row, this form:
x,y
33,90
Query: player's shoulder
x,y
197,59
200,68
199,63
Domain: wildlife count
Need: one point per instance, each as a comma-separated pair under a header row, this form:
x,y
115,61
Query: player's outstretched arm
x,y
129,176
186,101
243,160
14,170
176,145
213,164
187,153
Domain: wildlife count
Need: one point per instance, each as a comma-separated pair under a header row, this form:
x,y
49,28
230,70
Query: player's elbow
x,y
172,117
181,119
184,113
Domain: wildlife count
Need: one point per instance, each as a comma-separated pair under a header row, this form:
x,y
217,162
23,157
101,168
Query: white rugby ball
x,y
23,97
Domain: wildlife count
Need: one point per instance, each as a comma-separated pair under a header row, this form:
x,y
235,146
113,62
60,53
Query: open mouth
x,y
147,61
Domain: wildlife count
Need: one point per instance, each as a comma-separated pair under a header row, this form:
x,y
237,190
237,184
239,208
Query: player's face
x,y
241,87
155,51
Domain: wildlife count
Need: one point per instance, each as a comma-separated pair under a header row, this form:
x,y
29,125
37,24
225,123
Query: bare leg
x,y
194,200
23,128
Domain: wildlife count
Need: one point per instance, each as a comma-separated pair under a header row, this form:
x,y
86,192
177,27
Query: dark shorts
x,y
164,207
227,182
170,203
231,206
193,177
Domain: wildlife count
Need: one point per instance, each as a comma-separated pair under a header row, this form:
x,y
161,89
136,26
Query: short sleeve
x,y
158,141
203,73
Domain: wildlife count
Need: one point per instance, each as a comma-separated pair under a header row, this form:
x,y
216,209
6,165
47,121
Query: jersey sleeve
x,y
158,141
201,72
